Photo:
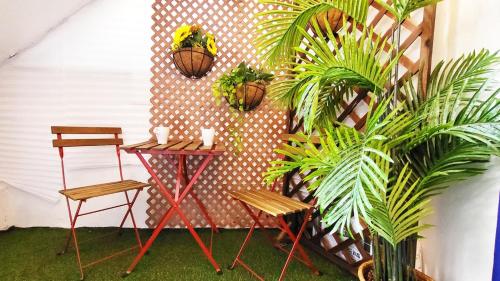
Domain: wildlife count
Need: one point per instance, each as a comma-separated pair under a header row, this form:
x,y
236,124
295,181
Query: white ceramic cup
x,y
161,134
207,135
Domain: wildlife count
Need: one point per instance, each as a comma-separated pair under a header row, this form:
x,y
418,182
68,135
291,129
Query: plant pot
x,y
334,18
193,62
366,267
248,96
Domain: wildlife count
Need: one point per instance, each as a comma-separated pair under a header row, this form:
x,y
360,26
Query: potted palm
x,y
417,140
193,51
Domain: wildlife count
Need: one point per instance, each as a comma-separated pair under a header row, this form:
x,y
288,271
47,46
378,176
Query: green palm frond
x,y
326,75
397,215
279,26
402,9
459,122
455,105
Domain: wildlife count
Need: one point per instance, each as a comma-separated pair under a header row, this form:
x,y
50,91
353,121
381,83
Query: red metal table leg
x,y
192,193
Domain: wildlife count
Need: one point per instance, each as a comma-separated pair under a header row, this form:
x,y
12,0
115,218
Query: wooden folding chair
x,y
82,194
278,206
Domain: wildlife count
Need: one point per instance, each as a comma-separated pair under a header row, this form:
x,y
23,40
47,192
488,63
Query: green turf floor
x,y
30,254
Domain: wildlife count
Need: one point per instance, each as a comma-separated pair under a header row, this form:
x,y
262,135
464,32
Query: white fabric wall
x,y
93,69
461,246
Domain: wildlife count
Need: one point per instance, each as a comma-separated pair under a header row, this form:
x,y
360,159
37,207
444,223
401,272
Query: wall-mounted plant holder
x,y
248,96
193,50
193,62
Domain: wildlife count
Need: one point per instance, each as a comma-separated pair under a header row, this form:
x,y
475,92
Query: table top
x,y
187,147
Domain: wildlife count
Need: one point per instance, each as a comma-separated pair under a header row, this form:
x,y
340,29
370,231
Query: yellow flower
x,y
174,46
181,34
211,47
210,35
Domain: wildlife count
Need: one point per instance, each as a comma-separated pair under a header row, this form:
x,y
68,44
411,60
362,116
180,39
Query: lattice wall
x,y
186,105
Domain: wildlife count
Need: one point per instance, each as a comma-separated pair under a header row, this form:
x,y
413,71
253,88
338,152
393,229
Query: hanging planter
x,y
193,51
248,96
334,17
193,62
243,88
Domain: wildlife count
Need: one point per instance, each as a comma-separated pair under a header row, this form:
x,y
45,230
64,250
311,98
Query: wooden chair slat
x,y
167,145
180,145
85,142
270,202
193,146
286,200
90,191
85,130
255,203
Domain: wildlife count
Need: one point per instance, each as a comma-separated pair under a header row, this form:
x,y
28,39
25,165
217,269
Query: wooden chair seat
x,y
86,192
270,202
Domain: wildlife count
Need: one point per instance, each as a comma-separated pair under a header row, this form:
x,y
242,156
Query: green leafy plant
x,y
279,27
418,139
227,87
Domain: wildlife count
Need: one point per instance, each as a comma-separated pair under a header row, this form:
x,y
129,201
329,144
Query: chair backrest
x,y
60,143
60,130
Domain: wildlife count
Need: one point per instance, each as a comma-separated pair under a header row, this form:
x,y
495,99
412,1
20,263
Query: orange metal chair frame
x,y
60,143
283,226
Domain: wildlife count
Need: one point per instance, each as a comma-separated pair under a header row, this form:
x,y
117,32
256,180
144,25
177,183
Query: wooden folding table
x,y
183,186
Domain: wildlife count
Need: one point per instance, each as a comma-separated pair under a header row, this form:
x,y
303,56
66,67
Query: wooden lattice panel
x,y
187,105
416,37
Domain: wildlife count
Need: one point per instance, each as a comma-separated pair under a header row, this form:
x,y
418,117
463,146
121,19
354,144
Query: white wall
x,y
91,70
25,22
461,246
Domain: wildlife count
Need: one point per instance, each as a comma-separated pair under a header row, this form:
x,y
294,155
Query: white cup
x,y
207,136
161,134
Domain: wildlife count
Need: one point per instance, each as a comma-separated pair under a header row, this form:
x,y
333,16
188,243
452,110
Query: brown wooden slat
x,y
286,200
255,203
269,202
180,145
148,145
167,145
136,144
86,192
219,147
193,146
85,130
85,142
205,148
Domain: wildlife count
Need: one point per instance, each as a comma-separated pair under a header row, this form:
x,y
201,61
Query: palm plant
x,y
415,143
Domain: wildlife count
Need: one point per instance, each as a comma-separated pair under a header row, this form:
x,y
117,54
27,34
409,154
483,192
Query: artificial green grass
x,y
30,254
